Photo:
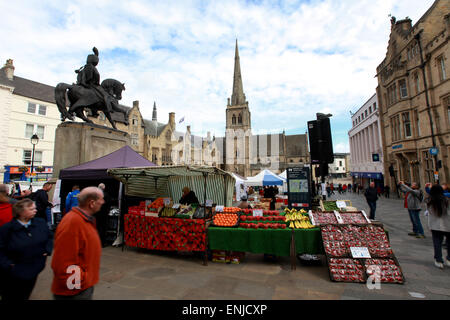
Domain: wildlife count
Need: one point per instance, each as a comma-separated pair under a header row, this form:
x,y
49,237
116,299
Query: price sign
x,y
166,201
209,203
176,206
257,212
341,204
360,252
219,208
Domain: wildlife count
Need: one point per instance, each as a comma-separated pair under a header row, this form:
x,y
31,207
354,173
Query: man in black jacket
x,y
371,197
188,197
41,199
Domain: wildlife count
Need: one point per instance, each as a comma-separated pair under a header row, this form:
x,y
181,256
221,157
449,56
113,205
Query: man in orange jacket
x,y
77,249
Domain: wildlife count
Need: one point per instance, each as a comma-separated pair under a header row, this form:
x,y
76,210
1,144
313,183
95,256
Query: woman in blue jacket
x,y
25,243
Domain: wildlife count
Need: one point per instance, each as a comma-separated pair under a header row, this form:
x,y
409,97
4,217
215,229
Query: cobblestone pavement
x,y
139,274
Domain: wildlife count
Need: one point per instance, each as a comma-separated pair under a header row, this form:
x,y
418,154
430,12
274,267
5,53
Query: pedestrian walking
x,y
325,190
439,223
72,198
413,201
42,203
386,191
332,188
25,243
371,198
328,190
349,187
76,259
344,188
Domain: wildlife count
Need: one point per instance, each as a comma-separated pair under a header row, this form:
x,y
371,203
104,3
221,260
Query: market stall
x,y
160,222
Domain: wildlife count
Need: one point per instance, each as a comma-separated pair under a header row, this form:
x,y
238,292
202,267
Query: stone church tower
x,y
238,126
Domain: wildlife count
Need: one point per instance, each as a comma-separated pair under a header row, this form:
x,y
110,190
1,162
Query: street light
x,y
34,141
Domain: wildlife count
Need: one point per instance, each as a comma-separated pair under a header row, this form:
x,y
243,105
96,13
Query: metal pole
x,y
32,165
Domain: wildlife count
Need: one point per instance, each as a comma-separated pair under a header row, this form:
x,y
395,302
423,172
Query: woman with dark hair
x,y
439,223
25,243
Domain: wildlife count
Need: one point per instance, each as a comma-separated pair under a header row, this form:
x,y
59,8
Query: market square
x,y
263,190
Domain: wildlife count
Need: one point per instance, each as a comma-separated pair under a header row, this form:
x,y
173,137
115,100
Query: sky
x,y
298,57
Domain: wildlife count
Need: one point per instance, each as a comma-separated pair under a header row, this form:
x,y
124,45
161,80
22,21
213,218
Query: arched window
x,y
240,118
233,120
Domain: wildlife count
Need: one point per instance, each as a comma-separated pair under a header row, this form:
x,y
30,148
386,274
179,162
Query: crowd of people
x,y
27,239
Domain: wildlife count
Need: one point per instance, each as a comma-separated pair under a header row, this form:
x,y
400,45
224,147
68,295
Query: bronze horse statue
x,y
81,97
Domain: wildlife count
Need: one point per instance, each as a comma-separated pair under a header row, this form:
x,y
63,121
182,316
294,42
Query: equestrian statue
x,y
89,94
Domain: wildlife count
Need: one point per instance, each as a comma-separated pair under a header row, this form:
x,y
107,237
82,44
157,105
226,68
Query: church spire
x,y
154,118
238,96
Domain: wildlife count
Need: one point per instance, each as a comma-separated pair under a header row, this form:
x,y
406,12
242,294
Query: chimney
x,y
136,103
154,115
188,129
9,69
172,119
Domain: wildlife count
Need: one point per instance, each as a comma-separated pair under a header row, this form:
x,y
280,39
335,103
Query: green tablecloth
x,y
269,241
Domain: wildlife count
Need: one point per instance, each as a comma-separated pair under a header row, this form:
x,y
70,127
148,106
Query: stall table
x,y
277,242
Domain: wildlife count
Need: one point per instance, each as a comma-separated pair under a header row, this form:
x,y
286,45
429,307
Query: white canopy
x,y
283,175
240,191
264,178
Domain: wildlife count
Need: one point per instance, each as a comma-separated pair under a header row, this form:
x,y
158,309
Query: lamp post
x,y
34,141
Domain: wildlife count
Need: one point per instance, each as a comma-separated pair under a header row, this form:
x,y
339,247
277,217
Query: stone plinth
x,y
79,142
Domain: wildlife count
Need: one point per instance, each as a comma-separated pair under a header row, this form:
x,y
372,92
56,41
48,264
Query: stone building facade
x,y
366,146
414,97
246,154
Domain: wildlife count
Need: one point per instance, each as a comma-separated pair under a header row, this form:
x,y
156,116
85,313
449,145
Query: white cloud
x,y
297,57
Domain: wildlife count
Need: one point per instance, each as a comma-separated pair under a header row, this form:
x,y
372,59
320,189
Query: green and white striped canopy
x,y
168,181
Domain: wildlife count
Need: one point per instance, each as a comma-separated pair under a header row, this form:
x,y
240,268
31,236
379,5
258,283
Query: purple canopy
x,y
125,157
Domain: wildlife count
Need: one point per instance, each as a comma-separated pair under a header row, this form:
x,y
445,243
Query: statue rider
x,y
89,77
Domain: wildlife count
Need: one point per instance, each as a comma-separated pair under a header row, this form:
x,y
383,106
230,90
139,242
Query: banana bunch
x,y
167,212
298,219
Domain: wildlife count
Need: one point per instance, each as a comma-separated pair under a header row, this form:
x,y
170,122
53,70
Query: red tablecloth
x,y
168,234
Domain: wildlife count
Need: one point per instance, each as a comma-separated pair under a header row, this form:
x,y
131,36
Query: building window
x,y
42,110
370,109
406,124
359,119
427,162
233,120
441,66
168,135
392,94
395,124
28,157
417,82
134,139
240,119
135,121
416,113
30,129
374,106
365,114
402,89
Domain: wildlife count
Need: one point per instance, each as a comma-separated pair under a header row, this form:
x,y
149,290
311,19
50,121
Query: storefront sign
x,y
360,252
399,146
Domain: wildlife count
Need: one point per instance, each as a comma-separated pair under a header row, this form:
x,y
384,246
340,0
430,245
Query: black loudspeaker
x,y
314,136
324,169
320,143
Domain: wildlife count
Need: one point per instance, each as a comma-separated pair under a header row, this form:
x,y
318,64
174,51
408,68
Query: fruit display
x,y
323,218
262,225
265,212
353,218
386,270
346,270
298,219
168,212
186,210
337,240
231,210
158,203
330,206
225,219
263,218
